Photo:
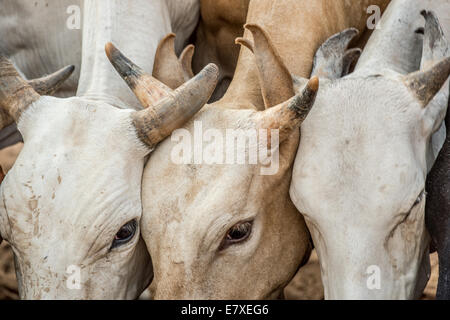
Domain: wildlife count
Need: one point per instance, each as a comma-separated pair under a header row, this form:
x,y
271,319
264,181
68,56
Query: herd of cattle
x,y
94,207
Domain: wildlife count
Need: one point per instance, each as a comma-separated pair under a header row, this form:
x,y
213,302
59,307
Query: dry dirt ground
x,y
306,284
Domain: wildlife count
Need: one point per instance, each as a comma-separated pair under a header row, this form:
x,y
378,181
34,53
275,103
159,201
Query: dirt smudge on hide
x,y
193,192
59,179
32,204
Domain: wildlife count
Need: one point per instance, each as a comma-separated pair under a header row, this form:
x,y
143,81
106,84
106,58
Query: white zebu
x,y
42,36
73,197
360,171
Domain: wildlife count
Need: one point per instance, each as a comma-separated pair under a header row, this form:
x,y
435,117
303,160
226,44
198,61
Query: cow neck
x,y
297,29
135,28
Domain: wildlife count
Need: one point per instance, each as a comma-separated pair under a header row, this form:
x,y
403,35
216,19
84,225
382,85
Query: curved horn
x,y
157,122
168,68
147,89
274,77
15,93
49,84
426,84
174,107
290,114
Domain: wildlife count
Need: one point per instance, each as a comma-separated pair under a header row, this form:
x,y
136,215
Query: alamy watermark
x,y
373,22
373,281
73,22
73,281
227,147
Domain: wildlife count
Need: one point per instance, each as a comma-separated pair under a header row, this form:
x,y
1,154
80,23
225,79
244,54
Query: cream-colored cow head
x,y
217,227
71,205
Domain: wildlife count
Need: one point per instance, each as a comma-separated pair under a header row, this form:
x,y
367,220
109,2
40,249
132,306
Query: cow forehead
x,y
77,124
357,151
174,192
196,196
57,207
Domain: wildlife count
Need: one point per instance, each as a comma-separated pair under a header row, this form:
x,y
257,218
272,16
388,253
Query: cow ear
x,y
435,64
50,84
274,77
435,44
333,59
170,69
186,61
435,48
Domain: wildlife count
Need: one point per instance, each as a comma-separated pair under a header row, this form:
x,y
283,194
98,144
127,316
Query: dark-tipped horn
x,y
15,93
274,77
426,84
147,89
290,114
49,84
157,122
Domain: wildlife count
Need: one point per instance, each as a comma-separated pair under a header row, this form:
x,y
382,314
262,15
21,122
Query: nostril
x,y
420,30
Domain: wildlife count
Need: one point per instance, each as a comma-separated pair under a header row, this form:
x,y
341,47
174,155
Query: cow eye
x,y
236,234
125,234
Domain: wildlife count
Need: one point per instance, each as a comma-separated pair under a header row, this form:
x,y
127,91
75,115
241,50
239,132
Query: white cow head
x,y
71,205
223,230
359,176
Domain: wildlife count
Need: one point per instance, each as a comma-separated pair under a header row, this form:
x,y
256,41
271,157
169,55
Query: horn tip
x,y
244,42
168,37
70,69
189,50
213,69
110,50
313,83
252,27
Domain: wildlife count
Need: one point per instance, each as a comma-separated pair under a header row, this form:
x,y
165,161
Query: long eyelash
x,y
242,227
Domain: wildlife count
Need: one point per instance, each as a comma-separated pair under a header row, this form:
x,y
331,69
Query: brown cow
x,y
210,227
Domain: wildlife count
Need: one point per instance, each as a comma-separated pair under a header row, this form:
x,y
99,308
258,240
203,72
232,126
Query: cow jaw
x,y
53,236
